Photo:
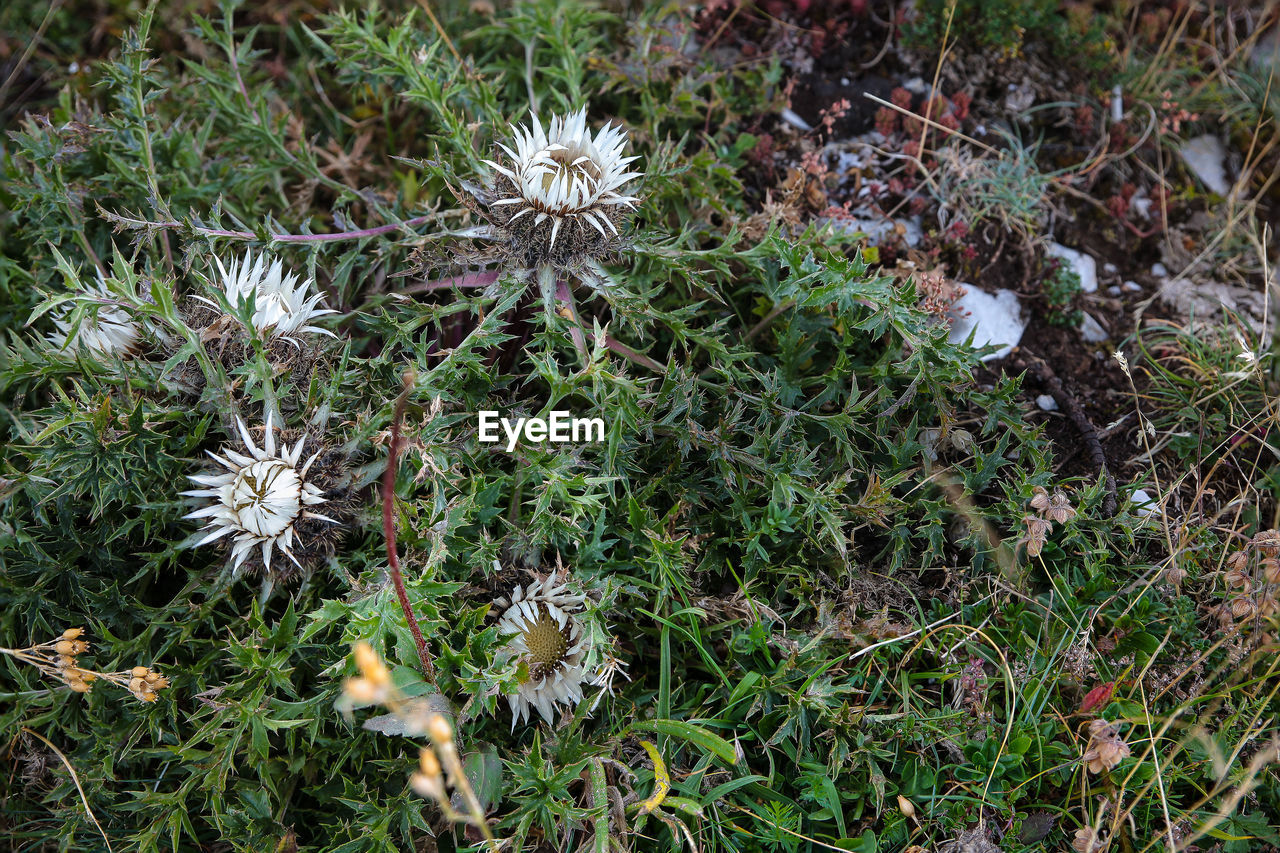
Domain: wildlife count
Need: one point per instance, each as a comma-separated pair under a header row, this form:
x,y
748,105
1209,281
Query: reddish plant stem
x,y
471,279
389,531
295,238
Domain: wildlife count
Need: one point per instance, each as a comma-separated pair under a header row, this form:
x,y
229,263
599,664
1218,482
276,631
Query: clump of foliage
x,y
1004,27
803,535
1060,288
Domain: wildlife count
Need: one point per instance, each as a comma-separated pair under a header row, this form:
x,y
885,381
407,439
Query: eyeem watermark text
x,y
560,428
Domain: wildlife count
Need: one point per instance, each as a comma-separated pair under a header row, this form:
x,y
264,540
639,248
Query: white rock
x,y
1110,268
1204,300
992,318
1117,104
1132,287
1160,270
791,118
1206,157
881,229
1092,330
1143,504
1266,51
1047,403
847,161
1083,265
917,86
1113,290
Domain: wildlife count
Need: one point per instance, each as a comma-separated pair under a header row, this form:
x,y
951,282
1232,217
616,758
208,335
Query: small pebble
x,y
1092,330
1082,264
1143,504
1113,290
1110,268
1160,270
1132,287
1047,403
791,118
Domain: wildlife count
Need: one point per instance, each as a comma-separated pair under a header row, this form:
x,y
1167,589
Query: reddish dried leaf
x,y
1097,697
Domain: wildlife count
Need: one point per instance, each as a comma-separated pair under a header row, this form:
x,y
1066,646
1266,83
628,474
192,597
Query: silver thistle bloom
x,y
565,177
281,307
549,638
108,330
260,498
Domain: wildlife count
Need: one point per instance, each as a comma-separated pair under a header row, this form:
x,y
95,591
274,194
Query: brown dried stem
x,y
389,530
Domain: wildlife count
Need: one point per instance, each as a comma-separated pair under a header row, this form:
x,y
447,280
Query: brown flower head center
x,y
547,643
566,160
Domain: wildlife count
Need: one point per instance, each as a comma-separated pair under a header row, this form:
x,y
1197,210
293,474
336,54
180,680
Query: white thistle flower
x,y
550,640
281,307
260,498
108,330
567,177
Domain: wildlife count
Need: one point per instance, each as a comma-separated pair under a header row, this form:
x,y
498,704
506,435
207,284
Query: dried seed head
x,y
1039,499
1106,748
1087,841
1060,509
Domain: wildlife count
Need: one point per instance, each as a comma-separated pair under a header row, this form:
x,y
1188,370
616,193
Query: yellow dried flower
x,y
371,666
439,730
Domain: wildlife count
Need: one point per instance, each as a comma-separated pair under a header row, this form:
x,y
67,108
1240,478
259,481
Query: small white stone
x,y
1206,157
1083,265
992,318
916,86
1092,330
1114,290
1160,270
1110,268
1047,403
1266,51
1143,504
791,118
1132,287
1117,104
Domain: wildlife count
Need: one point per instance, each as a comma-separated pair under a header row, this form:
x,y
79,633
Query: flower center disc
x,y
564,159
266,497
547,645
